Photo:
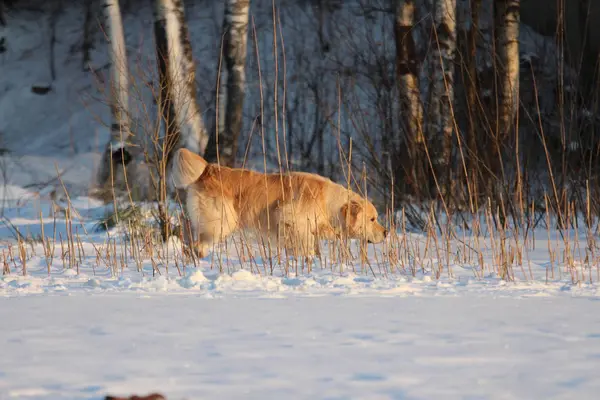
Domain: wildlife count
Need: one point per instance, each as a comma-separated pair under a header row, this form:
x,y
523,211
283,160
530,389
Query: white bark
x,y
440,123
507,15
116,156
232,82
119,76
407,69
181,76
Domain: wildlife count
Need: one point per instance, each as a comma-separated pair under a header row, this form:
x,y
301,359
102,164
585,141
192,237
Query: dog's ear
x,y
186,168
350,212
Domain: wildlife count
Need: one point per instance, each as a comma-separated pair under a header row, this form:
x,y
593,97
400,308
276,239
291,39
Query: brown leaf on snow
x,y
152,396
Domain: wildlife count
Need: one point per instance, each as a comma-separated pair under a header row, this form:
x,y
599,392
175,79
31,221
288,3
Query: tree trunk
x,y
407,76
117,151
2,28
407,69
87,44
231,94
440,117
184,125
165,101
507,16
472,100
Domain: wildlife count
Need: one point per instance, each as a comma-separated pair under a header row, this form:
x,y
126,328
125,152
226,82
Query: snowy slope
x,y
67,126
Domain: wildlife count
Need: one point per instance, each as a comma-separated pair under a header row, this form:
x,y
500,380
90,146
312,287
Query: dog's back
x,y
253,193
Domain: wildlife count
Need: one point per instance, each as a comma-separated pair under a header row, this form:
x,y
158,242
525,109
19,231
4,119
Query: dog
x,y
294,210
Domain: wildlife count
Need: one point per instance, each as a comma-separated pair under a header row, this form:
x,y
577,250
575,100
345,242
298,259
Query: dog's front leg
x,y
324,231
327,232
200,249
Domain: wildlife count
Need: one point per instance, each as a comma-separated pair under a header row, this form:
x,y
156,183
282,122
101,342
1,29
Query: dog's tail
x,y
186,168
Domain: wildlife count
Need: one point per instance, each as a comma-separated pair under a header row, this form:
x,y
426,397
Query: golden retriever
x,y
293,210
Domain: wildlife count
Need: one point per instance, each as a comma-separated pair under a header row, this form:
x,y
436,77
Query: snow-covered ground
x,y
114,320
83,345
336,332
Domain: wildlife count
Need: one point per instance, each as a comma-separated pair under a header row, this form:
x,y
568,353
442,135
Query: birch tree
x,y
87,43
507,17
472,95
407,69
2,28
183,121
407,80
440,124
232,93
117,152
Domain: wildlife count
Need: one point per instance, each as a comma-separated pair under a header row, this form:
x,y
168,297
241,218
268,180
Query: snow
x,y
74,117
339,331
232,327
84,346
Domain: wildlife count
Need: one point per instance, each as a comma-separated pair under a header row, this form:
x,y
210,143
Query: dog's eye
x,y
373,219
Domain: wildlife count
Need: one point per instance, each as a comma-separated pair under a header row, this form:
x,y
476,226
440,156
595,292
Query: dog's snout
x,y
385,233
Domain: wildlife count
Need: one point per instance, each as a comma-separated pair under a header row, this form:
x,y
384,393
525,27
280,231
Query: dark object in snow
x,y
121,157
41,90
152,396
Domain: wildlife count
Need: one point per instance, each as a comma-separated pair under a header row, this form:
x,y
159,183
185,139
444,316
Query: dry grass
x,y
495,246
462,224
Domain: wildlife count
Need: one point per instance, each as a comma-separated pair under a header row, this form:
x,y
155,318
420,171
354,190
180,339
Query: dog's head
x,y
359,219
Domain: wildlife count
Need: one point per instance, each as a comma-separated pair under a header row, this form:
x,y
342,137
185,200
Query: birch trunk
x,y
440,123
165,101
178,74
411,107
2,28
407,70
507,17
87,44
231,94
472,97
117,152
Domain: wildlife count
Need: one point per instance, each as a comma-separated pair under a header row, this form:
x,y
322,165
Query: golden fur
x,y
293,210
